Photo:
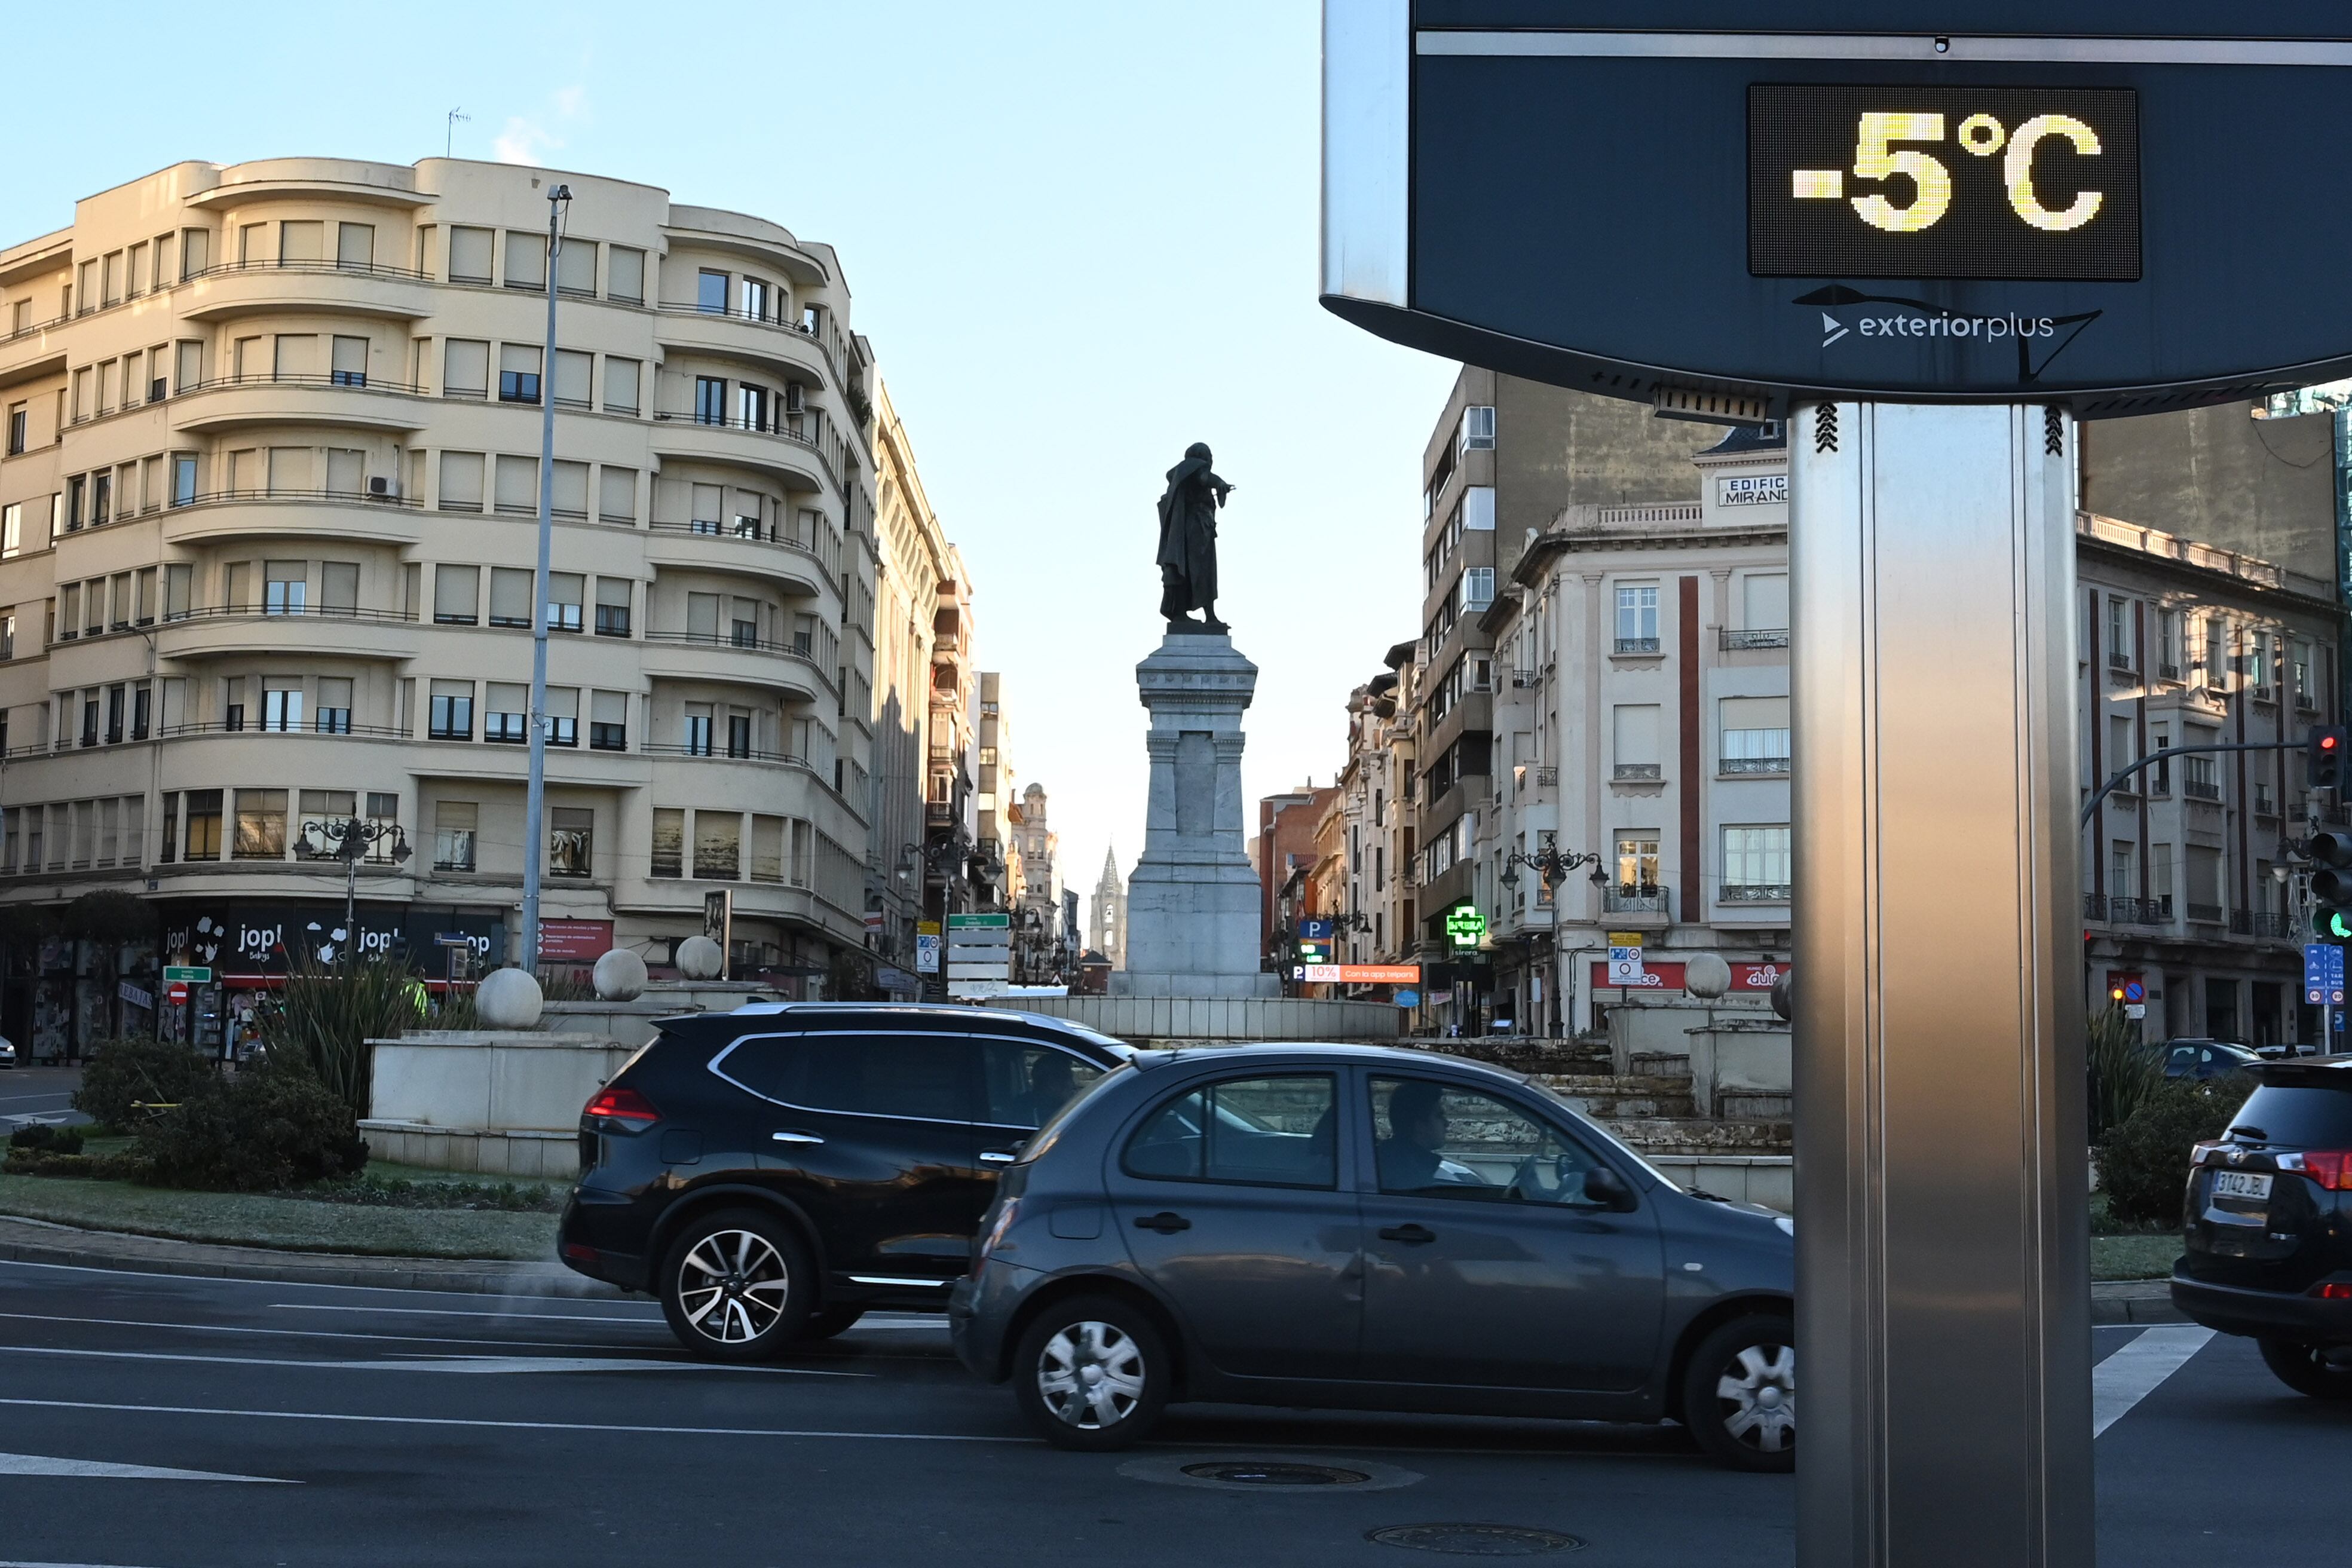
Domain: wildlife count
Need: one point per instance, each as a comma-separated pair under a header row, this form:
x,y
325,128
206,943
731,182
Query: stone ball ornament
x,y
507,999
1706,976
619,976
698,958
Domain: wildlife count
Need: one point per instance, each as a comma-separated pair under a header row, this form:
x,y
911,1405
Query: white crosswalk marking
x,y
40,1465
2133,1372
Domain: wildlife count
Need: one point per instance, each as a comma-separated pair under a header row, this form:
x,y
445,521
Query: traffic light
x,y
2324,748
2331,886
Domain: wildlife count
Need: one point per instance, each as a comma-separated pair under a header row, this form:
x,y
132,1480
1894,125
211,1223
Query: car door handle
x,y
1411,1234
998,1157
796,1138
1165,1224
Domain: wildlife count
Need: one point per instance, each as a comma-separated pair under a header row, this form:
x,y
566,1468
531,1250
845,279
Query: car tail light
x,y
2333,1290
621,1105
579,1253
2331,1168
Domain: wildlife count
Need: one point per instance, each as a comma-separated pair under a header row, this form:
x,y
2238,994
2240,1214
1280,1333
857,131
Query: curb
x,y
43,1241
2134,1301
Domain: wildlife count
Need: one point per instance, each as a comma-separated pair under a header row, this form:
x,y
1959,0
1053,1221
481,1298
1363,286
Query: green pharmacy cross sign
x,y
1465,925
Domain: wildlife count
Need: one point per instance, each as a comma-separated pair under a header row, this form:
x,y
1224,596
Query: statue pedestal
x,y
1193,902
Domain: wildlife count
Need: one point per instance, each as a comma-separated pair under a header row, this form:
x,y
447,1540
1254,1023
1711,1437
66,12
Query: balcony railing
x,y
1637,645
289,612
2095,906
1755,764
1635,900
2206,914
223,497
1547,777
2200,789
2122,661
240,727
2136,911
1638,771
1755,893
719,752
1732,640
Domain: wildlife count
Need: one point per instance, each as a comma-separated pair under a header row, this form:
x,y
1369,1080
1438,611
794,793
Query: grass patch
x,y
299,1224
2146,1256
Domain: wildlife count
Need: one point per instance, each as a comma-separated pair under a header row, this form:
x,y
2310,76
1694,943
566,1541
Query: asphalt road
x,y
333,1426
37,1094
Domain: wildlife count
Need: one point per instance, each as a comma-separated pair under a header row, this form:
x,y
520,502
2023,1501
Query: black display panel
x,y
1922,182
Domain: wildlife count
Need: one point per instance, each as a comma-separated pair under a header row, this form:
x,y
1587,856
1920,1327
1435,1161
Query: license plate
x,y
2246,1187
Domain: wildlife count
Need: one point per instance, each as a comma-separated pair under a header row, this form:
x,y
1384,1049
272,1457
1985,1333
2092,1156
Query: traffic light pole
x,y
2109,787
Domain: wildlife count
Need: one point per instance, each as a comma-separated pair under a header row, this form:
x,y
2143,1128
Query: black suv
x,y
773,1173
2268,1224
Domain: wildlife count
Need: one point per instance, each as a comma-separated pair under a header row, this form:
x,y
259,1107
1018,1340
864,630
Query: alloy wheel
x,y
732,1285
1091,1376
1758,1391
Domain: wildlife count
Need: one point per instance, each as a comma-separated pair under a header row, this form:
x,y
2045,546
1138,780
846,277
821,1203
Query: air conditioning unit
x,y
796,398
380,488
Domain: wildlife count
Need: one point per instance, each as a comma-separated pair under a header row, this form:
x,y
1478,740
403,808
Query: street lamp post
x,y
534,806
350,835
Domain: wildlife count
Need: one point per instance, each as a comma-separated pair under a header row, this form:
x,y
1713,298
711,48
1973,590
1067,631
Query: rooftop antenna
x,y
449,141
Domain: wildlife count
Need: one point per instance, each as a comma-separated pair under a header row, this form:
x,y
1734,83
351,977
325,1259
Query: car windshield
x,y
1594,1128
2305,1117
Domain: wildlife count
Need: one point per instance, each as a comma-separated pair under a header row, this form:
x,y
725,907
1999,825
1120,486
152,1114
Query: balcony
x,y
1523,679
2205,914
2257,923
2134,911
347,398
780,443
2201,789
2095,906
1734,765
1737,640
740,549
236,514
245,288
712,656
1547,777
1635,900
1754,893
1637,773
1636,645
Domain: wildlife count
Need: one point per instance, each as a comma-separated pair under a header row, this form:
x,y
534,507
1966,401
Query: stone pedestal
x,y
1192,902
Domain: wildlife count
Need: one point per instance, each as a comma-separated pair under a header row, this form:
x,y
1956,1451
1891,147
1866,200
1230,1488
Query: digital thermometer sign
x,y
1943,182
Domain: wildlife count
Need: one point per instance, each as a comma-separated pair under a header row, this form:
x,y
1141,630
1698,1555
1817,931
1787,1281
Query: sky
x,y
1080,236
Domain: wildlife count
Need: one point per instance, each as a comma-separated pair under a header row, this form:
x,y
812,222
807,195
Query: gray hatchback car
x,y
1346,1227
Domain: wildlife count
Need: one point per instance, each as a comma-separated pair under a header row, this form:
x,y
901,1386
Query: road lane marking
x,y
128,1274
516,1425
2133,1372
293,1333
439,1363
650,1319
37,1465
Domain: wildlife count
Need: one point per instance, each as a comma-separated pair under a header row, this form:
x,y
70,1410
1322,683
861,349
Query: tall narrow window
x,y
281,704
710,292
454,825
612,596
260,824
204,827
507,717
1637,619
286,587
355,245
668,847
608,722
334,710
695,729
570,841
709,400
452,714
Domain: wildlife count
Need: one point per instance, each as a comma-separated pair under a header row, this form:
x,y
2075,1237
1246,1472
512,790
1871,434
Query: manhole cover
x,y
1226,1474
1475,1539
1251,1473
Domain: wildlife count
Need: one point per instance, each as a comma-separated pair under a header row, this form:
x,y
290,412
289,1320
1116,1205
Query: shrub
x,y
327,1015
273,1125
2124,1070
99,1167
122,1074
41,1138
402,1193
2144,1163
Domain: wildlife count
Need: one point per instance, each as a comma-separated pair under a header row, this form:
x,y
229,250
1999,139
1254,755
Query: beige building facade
x,y
269,485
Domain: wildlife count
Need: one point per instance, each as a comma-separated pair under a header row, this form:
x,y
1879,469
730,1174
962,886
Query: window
x,y
464,368
1477,429
1764,602
1637,619
507,716
285,588
303,239
204,827
141,706
668,842
570,841
517,485
695,736
179,590
321,808
12,530
573,375
526,259
454,825
621,386
101,497
612,596
115,704
184,479
1633,728
739,735
334,712
2299,673
517,372
575,267
616,494
921,1077
755,300
706,505
2217,653
1637,860
608,722
564,591
18,421
562,715
455,591
702,616
281,704
710,292
752,407
452,713
461,481
1477,587
1024,1086
355,245
70,612
625,275
383,815
1258,1131
767,848
1433,1140
510,596
260,824
1755,734
709,400
339,586
718,845
1756,864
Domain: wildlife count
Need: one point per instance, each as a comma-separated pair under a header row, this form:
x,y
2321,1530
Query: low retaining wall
x,y
491,1152
1203,1020
1766,1179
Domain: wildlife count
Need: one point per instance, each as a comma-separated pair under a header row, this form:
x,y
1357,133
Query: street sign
x,y
2042,207
1464,926
176,992
1408,998
2135,1009
2322,974
1625,960
192,975
927,947
997,922
1315,930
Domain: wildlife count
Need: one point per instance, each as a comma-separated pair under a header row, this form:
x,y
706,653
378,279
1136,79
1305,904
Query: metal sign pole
x,y
1943,1298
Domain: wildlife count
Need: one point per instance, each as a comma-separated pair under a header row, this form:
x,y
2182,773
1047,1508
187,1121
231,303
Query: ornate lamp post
x,y
351,837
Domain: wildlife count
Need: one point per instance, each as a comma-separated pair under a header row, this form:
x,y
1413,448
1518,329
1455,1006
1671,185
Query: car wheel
x,y
1092,1373
1740,1394
2307,1370
736,1286
832,1320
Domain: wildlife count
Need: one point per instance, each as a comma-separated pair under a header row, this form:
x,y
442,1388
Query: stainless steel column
x,y
1943,1278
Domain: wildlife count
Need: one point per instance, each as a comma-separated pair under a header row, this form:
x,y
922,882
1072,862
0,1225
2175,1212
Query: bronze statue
x,y
1187,543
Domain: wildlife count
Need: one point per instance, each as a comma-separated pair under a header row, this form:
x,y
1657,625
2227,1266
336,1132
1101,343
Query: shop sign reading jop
x,y
264,939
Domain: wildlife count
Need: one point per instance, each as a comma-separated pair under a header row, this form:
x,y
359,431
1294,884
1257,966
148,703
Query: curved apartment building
x,y
268,511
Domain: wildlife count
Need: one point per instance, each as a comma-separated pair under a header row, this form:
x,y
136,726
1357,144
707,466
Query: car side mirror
x,y
1604,1188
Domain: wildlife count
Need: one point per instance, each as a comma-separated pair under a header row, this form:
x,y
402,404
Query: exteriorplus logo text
x,y
1984,329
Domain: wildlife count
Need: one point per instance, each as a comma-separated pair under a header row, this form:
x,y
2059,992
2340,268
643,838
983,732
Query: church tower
x,y
1106,931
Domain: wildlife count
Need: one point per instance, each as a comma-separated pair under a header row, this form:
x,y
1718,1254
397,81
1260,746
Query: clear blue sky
x,y
1080,236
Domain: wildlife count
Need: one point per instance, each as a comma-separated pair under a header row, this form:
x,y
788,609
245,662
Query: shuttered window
x,y
572,376
301,240
464,368
616,494
625,275
355,245
575,267
456,593
570,497
620,385
510,596
461,481
517,484
469,255
526,259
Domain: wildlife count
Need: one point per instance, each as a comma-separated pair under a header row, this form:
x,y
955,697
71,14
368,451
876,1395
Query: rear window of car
x,y
1257,1132
2305,1117
931,1078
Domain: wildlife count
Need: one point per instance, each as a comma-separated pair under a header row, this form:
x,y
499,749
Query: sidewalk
x,y
39,1241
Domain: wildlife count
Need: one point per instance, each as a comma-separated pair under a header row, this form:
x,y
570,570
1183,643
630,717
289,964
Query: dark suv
x,y
2268,1224
773,1173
